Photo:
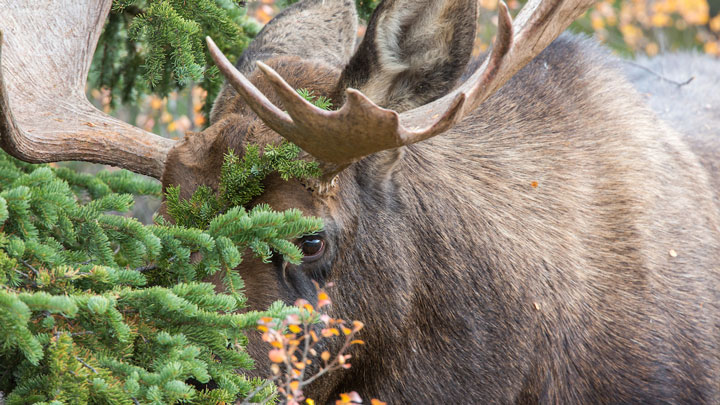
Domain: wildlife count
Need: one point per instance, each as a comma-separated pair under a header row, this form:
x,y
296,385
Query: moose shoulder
x,y
528,232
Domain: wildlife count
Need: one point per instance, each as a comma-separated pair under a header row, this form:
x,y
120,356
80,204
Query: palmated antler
x,y
45,53
361,128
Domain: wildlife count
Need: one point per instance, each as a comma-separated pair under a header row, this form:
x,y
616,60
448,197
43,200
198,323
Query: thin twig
x,y
154,266
85,364
661,77
255,392
27,276
146,268
85,332
29,266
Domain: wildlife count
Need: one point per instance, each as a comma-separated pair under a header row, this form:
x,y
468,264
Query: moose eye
x,y
312,246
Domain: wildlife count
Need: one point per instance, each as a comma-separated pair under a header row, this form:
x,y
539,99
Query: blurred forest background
x,y
174,100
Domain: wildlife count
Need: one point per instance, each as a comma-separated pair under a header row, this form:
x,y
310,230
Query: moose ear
x,y
413,51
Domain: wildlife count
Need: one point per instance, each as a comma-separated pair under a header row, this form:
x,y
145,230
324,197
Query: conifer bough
x,y
97,307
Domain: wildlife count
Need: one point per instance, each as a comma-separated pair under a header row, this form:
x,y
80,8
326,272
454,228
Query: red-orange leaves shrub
x,y
293,350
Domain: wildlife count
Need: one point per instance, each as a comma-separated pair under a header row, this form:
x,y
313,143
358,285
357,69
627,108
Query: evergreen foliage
x,y
240,182
159,46
98,308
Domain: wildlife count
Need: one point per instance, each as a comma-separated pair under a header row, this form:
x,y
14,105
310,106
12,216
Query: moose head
x,y
503,230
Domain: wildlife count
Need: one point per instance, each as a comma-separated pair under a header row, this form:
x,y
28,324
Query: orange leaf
x,y
346,331
294,385
325,355
294,329
276,344
357,325
357,342
377,402
276,356
262,328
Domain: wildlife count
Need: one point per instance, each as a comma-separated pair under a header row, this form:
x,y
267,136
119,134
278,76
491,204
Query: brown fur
x,y
599,285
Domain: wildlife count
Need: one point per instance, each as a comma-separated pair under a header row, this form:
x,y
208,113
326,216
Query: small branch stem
x,y
255,392
85,364
658,75
29,266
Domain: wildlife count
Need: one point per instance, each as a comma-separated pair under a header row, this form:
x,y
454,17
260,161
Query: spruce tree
x,y
98,308
158,46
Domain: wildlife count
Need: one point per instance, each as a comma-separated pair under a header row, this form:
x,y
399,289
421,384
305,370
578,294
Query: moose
x,y
521,228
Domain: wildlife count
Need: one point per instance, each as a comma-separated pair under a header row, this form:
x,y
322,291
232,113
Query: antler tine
x,y
323,134
358,129
537,25
46,50
275,118
361,127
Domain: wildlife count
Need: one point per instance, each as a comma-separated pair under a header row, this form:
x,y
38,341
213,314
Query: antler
x,y
361,128
44,115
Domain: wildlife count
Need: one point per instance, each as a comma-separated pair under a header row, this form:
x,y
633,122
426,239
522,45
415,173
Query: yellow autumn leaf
x,y
156,103
652,49
715,23
660,20
712,48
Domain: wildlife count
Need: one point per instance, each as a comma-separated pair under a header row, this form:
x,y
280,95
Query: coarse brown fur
x,y
560,245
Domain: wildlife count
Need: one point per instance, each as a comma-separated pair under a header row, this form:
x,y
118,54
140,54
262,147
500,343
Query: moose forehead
x,y
196,160
316,76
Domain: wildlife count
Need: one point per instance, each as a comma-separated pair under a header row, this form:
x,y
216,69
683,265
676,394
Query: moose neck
x,y
502,205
